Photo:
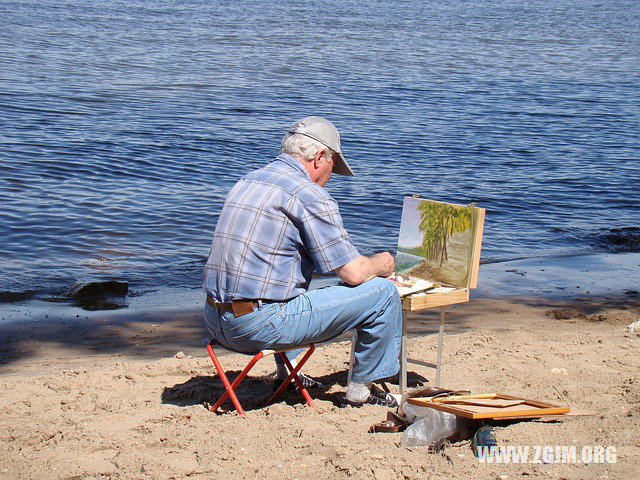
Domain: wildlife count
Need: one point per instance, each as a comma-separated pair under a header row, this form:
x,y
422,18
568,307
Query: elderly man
x,y
278,224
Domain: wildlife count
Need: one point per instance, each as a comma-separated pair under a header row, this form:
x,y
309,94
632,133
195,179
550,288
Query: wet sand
x,y
120,394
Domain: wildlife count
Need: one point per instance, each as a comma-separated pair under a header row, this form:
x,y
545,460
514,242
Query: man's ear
x,y
318,158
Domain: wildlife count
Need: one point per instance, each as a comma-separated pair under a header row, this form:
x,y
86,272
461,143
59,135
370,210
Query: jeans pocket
x,y
294,318
257,331
251,332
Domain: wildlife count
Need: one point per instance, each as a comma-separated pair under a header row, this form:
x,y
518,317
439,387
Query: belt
x,y
237,307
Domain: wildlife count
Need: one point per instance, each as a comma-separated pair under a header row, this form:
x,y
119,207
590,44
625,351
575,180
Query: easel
x,y
439,298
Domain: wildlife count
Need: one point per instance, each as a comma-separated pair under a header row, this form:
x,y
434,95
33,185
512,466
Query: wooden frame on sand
x,y
490,405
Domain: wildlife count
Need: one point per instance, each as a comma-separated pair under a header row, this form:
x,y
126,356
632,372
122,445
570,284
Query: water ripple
x,y
124,124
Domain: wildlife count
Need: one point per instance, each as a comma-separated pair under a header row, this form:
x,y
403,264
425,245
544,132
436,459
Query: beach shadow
x,y
150,335
56,337
254,392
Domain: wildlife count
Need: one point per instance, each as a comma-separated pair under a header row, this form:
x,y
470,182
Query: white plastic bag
x,y
429,426
412,411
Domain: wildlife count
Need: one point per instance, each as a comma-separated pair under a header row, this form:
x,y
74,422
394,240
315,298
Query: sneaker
x,y
306,380
377,396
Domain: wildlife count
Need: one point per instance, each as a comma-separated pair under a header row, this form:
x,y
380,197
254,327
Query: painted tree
x,y
438,222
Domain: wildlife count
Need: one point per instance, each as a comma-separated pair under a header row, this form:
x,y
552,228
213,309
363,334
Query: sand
x,y
121,395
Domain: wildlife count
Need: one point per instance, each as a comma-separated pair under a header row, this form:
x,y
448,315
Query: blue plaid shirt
x,y
275,228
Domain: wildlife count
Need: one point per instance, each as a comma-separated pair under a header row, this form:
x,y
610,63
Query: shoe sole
x,y
348,403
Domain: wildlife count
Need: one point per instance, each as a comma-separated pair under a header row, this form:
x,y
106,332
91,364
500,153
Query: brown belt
x,y
237,307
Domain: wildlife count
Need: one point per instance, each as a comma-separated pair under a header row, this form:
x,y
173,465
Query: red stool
x,y
230,387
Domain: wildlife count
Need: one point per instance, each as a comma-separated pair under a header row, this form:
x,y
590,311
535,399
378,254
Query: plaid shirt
x,y
275,228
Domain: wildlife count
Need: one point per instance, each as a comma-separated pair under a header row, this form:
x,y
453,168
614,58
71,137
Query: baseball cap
x,y
323,131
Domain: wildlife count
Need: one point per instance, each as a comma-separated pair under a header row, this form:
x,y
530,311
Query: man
x,y
276,227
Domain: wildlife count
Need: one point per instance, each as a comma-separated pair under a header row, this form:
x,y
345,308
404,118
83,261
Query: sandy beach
x,y
124,127
120,395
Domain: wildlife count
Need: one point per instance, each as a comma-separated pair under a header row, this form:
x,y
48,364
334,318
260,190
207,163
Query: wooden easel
x,y
439,298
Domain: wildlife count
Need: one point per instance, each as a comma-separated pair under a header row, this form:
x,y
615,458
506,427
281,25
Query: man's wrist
x,y
378,265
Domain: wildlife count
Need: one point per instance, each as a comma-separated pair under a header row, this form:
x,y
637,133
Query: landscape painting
x,y
436,241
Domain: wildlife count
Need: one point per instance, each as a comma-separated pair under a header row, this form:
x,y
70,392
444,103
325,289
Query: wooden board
x,y
420,301
483,402
524,408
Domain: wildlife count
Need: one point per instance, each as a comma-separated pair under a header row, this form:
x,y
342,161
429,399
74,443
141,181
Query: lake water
x,y
124,123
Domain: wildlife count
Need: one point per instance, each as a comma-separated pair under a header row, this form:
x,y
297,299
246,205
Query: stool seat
x,y
231,387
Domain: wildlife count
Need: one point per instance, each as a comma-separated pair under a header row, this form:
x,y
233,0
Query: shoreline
x,y
147,327
602,274
558,278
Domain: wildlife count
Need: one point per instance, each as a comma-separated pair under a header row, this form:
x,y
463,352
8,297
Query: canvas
x,y
439,242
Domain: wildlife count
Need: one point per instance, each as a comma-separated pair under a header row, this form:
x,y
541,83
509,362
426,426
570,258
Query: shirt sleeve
x,y
324,235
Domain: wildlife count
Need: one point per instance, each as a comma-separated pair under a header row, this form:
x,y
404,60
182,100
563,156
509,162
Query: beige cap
x,y
323,131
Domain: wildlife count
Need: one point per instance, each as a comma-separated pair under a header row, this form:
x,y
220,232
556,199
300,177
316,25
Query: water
x,y
123,124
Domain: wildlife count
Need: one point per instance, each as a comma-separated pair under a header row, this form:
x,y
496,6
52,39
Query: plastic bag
x,y
412,411
429,427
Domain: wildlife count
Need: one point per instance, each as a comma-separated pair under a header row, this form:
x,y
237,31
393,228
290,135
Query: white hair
x,y
303,146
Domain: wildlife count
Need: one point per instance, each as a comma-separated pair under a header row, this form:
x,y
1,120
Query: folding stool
x,y
230,387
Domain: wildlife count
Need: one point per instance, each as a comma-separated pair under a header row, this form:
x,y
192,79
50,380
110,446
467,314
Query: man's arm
x,y
363,268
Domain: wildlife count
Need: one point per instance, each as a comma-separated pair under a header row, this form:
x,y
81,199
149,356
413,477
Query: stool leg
x,y
294,376
230,387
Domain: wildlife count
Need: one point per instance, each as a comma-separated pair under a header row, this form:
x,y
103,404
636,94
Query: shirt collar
x,y
293,162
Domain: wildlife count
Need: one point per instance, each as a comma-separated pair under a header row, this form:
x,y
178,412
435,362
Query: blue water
x,y
124,123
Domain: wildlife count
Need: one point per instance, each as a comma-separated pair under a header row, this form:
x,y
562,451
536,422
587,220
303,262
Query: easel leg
x,y
440,336
402,377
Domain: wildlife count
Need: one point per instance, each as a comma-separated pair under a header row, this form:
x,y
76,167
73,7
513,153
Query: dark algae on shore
x,y
617,240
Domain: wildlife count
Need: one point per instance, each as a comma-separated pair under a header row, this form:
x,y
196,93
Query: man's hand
x,y
386,263
364,268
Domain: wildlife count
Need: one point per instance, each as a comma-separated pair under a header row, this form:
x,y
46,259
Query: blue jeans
x,y
372,308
